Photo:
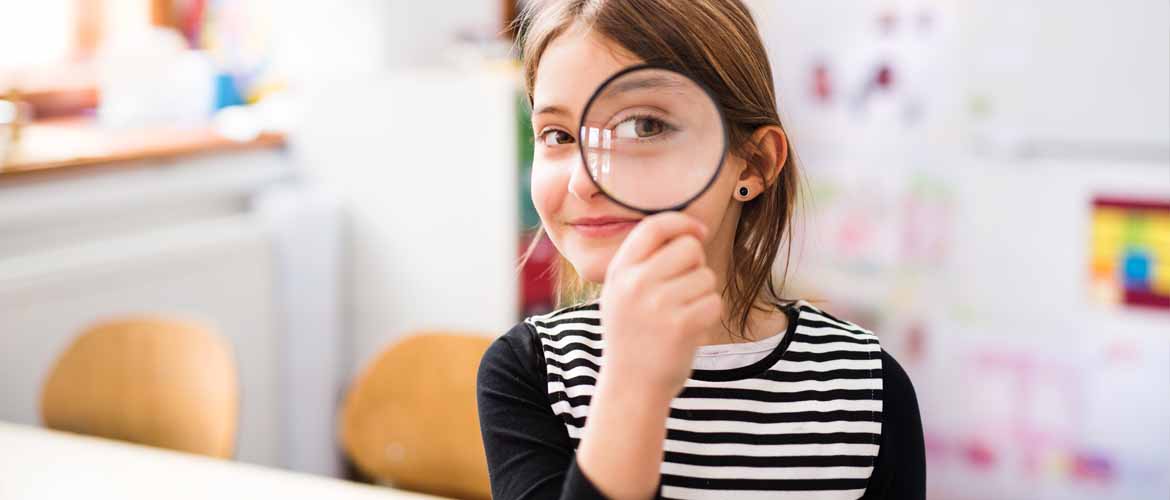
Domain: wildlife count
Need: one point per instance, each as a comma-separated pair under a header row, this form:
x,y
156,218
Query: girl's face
x,y
586,226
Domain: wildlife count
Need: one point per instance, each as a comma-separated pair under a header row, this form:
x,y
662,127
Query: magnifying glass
x,y
652,139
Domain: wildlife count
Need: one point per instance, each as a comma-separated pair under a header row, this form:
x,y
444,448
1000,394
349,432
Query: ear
x,y
766,154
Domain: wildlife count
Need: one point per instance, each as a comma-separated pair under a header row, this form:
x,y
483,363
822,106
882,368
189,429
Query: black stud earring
x,y
743,191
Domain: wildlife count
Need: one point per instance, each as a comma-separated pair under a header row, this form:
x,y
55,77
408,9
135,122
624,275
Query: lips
x,y
601,227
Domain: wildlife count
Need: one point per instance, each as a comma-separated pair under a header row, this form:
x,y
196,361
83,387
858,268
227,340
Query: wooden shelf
x,y
55,145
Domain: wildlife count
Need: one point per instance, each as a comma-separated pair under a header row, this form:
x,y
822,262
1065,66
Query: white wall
x,y
425,164
319,42
1080,77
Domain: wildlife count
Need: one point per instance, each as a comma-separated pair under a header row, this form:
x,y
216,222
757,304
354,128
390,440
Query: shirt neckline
x,y
758,367
732,349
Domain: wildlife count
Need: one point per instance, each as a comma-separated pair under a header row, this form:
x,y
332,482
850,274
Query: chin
x,y
590,265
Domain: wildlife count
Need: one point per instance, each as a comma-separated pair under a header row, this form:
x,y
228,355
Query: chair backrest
x,y
148,380
410,418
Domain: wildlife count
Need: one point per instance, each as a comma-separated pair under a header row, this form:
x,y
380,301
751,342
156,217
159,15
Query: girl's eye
x,y
639,128
555,137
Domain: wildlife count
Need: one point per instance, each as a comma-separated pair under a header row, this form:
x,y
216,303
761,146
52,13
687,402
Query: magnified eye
x,y
554,137
639,127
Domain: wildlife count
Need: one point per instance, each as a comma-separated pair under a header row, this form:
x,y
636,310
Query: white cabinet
x,y
205,238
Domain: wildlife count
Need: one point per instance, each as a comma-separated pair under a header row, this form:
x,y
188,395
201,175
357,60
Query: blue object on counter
x,y
226,92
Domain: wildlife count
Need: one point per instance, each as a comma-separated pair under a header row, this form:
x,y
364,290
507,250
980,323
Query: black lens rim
x,y
722,123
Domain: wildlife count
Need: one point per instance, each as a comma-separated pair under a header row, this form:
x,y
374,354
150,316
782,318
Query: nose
x,y
580,184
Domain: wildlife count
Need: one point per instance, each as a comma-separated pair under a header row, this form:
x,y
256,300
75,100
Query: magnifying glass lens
x,y
652,139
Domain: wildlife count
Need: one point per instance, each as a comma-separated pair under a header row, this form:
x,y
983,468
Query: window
x,y
37,34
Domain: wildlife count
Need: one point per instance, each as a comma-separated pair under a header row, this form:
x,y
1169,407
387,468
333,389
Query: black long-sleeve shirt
x,y
827,414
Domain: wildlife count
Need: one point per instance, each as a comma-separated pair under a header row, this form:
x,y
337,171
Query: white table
x,y
42,464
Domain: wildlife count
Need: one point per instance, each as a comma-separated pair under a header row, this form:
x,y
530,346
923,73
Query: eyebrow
x,y
620,87
551,109
648,82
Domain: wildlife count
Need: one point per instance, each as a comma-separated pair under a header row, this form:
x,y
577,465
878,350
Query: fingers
x,y
683,254
688,287
654,232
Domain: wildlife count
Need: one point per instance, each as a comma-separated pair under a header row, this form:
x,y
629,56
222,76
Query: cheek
x,y
549,187
712,206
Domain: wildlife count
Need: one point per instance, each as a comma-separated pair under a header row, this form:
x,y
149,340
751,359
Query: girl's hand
x,y
658,298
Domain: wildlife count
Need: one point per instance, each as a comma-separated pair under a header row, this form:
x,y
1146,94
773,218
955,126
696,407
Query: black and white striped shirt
x,y
803,422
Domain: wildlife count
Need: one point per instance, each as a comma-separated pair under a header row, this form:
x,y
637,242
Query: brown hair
x,y
717,43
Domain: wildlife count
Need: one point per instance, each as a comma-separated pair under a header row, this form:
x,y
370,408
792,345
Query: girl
x,y
687,376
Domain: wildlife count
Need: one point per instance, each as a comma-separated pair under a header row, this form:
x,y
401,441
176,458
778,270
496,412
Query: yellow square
x,y
1161,279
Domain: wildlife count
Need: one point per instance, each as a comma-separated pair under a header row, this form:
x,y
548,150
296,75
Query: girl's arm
x,y
621,445
529,454
900,472
658,297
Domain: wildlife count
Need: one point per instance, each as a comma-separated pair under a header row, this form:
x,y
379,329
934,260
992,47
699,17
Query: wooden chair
x,y
148,380
410,419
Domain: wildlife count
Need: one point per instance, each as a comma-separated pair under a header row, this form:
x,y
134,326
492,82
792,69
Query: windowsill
x,y
71,143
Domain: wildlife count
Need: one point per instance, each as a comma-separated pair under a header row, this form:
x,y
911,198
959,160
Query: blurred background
x,y
986,186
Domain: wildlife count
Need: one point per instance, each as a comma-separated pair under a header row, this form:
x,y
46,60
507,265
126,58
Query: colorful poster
x,y
1130,252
